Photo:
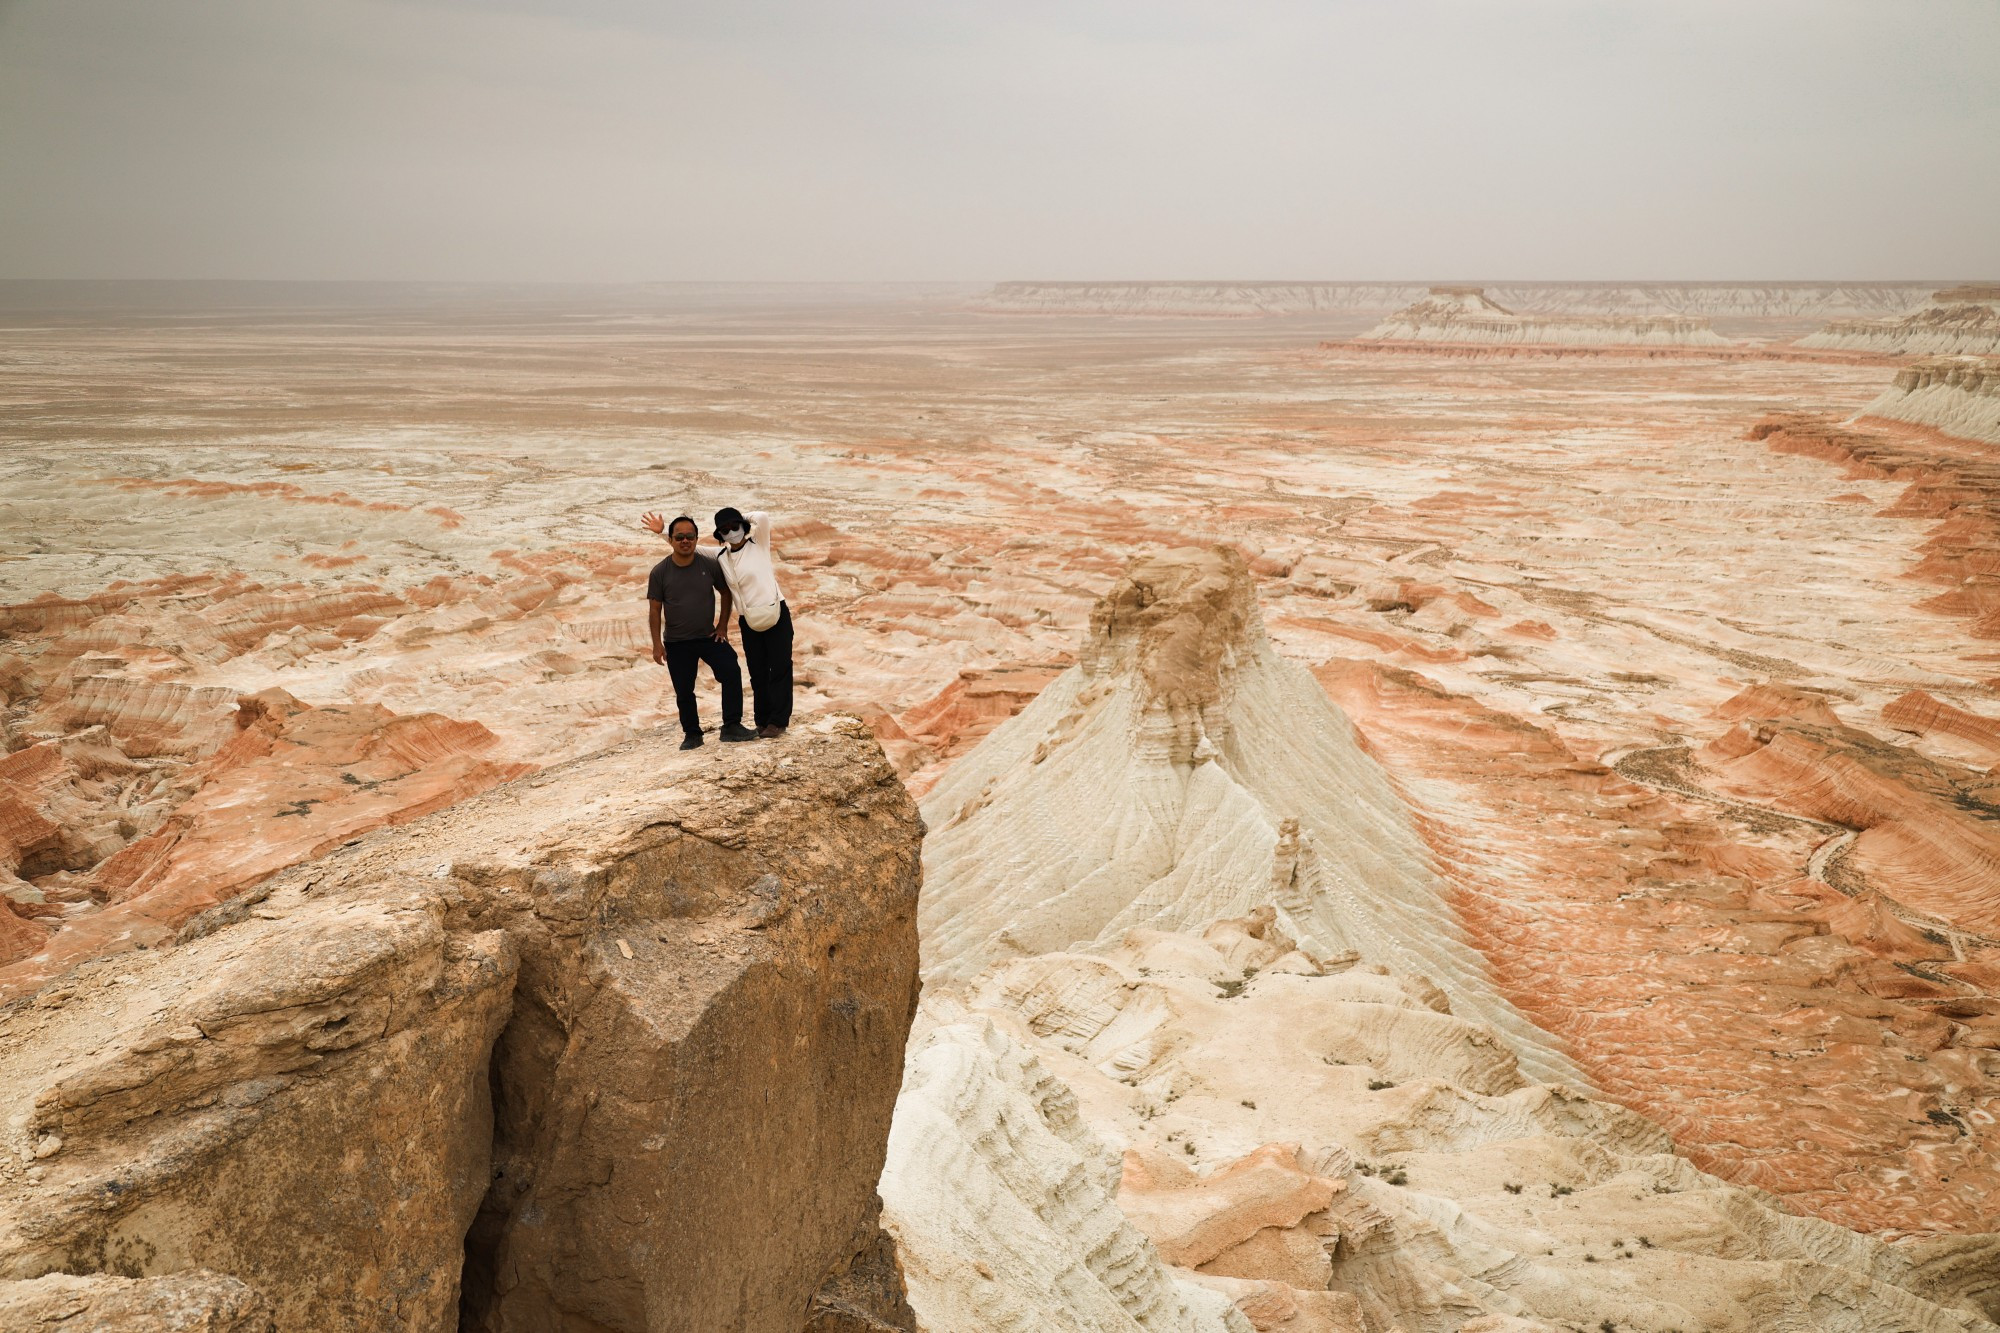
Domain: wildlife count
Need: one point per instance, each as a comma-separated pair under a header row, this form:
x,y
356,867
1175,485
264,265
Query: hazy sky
x,y
982,139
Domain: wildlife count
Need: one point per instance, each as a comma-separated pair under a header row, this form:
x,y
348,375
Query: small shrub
x,y
1230,989
1511,1188
1377,1084
1556,1190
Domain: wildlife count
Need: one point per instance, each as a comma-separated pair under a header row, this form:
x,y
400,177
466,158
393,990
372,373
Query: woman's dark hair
x,y
728,517
684,519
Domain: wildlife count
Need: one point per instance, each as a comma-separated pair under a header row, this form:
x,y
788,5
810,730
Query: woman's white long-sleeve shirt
x,y
752,580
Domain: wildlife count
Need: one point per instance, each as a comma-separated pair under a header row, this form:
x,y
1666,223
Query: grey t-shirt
x,y
687,594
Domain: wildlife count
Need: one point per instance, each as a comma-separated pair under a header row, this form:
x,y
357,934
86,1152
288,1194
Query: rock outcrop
x,y
1000,1197
197,1302
611,1047
1334,1152
1182,770
1467,315
1958,321
1956,397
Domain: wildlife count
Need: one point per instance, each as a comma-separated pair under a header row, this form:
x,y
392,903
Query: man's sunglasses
x,y
683,536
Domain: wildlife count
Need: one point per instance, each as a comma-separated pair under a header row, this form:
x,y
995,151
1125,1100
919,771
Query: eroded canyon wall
x,y
1957,396
618,1042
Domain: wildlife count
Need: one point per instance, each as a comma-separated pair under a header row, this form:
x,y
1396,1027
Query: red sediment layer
x,y
1926,716
293,783
1789,1036
1925,841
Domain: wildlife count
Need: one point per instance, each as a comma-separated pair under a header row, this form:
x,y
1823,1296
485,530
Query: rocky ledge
x,y
613,1047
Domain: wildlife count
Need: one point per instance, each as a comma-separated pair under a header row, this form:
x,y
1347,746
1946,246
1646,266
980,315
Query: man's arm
x,y
760,528
722,621
654,524
653,632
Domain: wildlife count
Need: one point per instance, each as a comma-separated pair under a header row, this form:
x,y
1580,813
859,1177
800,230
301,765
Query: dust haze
x,y
894,140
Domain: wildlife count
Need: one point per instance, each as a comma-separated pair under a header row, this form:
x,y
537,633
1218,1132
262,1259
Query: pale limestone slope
x,y
1000,1199
1330,1143
1184,771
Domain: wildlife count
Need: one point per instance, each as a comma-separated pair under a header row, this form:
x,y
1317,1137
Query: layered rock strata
x,y
1958,321
1182,770
1333,1150
1466,315
1956,397
1954,485
612,1047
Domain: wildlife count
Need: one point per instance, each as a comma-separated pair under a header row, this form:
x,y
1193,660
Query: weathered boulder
x,y
195,1302
618,1043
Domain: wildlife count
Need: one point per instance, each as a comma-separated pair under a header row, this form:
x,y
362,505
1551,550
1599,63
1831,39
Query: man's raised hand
x,y
653,523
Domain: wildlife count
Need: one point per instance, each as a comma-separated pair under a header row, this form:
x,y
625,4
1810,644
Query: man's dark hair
x,y
684,519
728,517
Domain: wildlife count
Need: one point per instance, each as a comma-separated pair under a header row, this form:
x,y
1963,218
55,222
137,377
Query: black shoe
x,y
692,742
736,731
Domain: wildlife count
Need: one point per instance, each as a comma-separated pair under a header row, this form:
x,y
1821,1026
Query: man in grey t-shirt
x,y
683,631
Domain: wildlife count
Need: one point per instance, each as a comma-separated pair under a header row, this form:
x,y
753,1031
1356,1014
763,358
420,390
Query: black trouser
x,y
683,655
768,654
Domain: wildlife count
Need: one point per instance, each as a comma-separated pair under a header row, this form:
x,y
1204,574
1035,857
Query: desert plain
x,y
1677,667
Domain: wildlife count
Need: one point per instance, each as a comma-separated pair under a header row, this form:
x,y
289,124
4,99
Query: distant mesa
x,y
1963,320
1189,298
1460,315
1955,396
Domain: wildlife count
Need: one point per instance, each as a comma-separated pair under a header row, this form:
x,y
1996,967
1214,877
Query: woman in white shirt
x,y
762,615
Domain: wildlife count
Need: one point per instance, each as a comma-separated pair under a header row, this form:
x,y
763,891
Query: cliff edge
x,y
611,1047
